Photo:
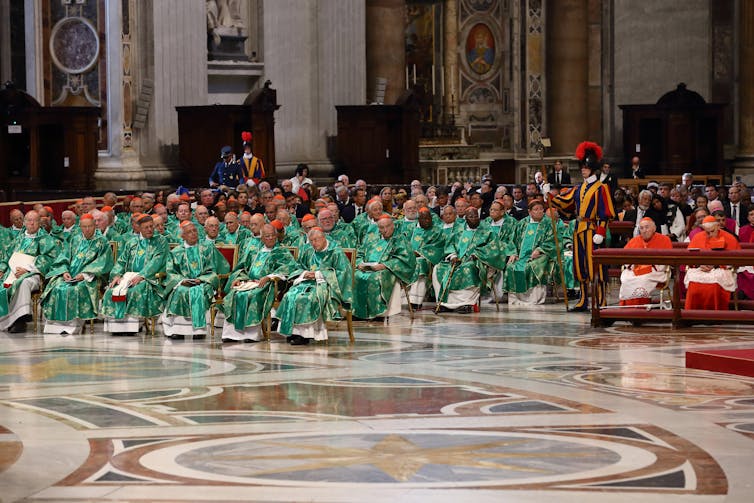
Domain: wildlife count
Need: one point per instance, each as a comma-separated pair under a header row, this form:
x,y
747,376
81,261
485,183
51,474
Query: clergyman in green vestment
x,y
36,252
382,263
530,265
190,284
250,291
72,293
471,256
325,284
428,244
135,289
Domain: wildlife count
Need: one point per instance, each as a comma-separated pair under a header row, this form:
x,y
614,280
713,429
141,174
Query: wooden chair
x,y
150,322
230,253
36,308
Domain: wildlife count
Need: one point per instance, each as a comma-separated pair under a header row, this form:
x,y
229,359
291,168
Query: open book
x,y
18,260
119,292
246,285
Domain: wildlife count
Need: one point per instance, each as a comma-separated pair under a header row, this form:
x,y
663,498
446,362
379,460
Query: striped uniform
x,y
590,203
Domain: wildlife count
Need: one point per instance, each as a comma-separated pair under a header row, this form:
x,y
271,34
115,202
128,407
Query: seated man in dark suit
x,y
736,208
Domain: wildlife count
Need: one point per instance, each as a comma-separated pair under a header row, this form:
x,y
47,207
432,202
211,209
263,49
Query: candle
x,y
406,76
433,80
414,74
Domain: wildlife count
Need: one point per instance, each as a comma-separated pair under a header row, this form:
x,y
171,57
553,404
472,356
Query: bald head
x,y
257,221
32,221
17,218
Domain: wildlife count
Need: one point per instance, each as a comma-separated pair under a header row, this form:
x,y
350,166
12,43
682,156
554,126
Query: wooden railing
x,y
674,258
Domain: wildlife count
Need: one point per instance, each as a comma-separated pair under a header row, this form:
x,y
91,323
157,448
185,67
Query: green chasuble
x,y
343,235
148,258
565,242
41,246
249,307
192,262
477,249
63,301
504,229
111,234
428,246
365,229
372,289
307,300
236,238
293,239
526,273
405,227
123,223
458,225
59,233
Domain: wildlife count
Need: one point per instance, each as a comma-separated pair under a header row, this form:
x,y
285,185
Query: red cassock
x,y
652,274
711,290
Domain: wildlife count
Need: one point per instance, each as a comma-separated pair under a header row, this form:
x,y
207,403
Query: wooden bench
x,y
674,258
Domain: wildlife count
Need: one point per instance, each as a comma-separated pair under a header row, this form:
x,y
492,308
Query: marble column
x,y
745,156
314,55
567,72
176,59
450,57
386,47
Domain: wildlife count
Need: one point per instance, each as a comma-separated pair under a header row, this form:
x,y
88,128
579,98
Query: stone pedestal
x,y
314,56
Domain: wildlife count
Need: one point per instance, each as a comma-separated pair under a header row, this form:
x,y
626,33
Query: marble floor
x,y
516,405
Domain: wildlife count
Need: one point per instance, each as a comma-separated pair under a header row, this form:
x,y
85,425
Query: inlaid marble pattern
x,y
515,405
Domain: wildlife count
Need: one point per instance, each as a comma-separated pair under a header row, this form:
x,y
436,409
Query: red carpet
x,y
730,361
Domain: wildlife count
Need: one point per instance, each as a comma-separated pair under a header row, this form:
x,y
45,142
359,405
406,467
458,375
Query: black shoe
x,y
464,309
298,340
228,339
250,341
289,338
579,309
378,319
416,307
199,337
17,327
444,309
176,337
25,318
274,325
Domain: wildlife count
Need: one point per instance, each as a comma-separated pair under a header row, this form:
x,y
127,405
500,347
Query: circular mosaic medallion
x,y
74,45
435,458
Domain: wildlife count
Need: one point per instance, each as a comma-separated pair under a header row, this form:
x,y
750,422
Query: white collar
x,y
591,179
26,233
